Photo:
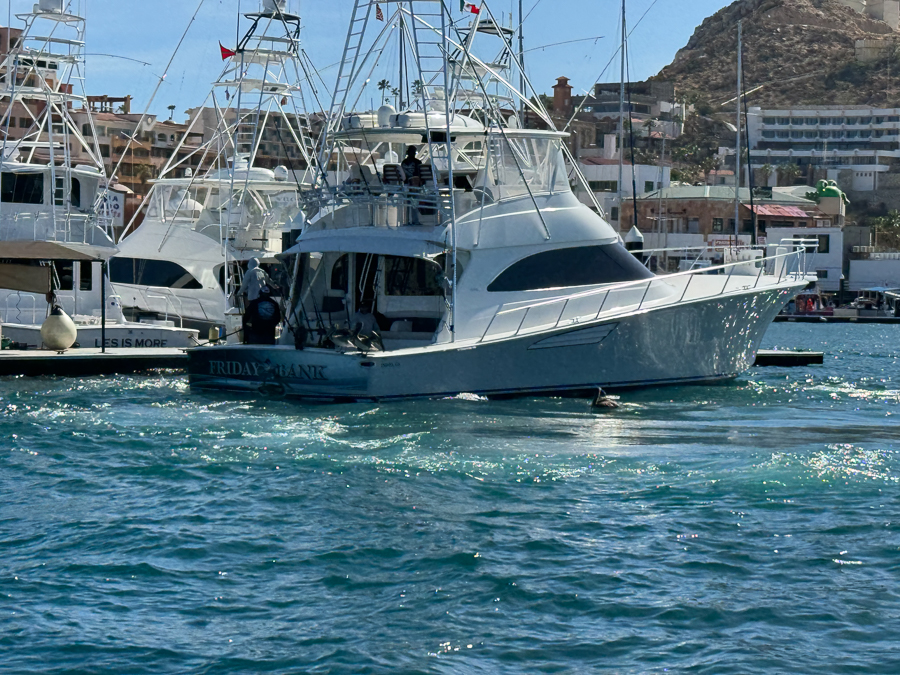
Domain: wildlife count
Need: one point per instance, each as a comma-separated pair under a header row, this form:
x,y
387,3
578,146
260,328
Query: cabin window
x,y
161,273
579,266
22,188
411,276
339,273
85,278
64,270
75,193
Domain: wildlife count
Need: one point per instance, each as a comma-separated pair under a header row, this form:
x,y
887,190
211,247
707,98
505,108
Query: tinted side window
x,y
339,273
22,188
561,268
162,273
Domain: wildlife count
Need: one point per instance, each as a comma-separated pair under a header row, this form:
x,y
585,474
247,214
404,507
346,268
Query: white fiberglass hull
x,y
700,341
127,336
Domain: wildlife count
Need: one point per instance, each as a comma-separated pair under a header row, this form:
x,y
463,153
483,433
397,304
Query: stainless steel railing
x,y
634,296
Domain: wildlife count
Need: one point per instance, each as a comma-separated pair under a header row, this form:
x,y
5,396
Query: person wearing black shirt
x,y
412,167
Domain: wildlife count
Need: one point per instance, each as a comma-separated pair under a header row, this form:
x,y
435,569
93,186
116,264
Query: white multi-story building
x,y
861,139
882,10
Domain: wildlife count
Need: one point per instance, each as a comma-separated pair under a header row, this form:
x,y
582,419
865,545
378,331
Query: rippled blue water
x,y
744,528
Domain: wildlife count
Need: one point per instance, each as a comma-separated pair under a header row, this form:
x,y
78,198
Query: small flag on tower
x,y
226,53
378,13
472,9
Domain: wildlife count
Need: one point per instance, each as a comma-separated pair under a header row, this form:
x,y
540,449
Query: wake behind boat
x,y
470,266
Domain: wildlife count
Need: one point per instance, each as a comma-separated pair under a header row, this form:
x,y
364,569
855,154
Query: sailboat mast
x,y
622,119
737,156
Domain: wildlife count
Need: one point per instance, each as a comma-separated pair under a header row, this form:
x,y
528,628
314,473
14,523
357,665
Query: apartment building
x,y
651,109
861,140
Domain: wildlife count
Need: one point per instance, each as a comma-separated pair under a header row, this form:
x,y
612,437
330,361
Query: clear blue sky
x,y
148,31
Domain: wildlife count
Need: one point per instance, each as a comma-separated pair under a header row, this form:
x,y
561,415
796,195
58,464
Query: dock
x,y
788,358
90,361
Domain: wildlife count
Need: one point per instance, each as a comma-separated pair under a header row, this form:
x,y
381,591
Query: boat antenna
x,y
739,144
749,165
619,189
631,143
521,63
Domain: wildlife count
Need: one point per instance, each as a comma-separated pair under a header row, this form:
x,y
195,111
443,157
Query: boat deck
x,y
89,361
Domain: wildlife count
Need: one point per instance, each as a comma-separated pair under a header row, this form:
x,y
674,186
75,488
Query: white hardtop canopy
x,y
366,240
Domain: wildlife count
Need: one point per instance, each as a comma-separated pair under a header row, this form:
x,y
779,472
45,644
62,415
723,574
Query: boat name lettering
x,y
254,369
132,342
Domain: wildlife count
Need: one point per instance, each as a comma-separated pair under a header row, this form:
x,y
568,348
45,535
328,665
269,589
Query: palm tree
x,y
788,173
765,172
383,87
143,173
417,88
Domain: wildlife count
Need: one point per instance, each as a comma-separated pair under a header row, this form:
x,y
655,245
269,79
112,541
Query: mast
x,y
621,119
738,144
521,63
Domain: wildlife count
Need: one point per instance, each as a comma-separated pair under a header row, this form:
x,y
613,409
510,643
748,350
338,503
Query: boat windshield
x,y
210,206
514,166
503,165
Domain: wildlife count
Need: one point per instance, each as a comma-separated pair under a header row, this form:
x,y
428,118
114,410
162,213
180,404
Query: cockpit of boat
x,y
405,295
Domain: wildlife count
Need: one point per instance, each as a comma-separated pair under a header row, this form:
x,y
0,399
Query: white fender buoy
x,y
58,331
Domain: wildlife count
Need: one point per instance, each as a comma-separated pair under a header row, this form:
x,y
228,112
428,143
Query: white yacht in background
x,y
472,267
181,254
55,228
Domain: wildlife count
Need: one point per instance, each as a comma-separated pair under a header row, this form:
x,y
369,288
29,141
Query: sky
x,y
122,33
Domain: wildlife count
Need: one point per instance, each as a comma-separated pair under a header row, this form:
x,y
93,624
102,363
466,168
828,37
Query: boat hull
x,y
127,336
701,341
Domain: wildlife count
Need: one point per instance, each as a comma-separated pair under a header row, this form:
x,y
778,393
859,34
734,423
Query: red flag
x,y
472,8
378,13
226,53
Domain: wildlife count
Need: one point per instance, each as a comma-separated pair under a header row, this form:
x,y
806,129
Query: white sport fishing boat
x,y
486,275
187,242
55,227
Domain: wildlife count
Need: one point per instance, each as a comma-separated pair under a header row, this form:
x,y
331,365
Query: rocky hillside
x,y
803,51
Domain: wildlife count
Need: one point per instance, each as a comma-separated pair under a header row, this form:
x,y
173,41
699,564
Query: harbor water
x,y
742,528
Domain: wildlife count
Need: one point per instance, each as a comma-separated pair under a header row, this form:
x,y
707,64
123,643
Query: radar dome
x,y
384,115
274,5
51,6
